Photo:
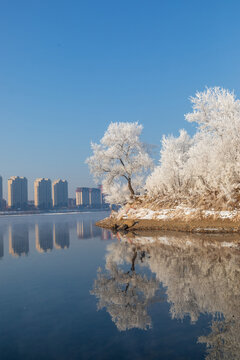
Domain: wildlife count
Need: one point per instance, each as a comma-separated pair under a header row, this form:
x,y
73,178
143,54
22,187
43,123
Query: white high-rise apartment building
x,y
82,196
60,193
1,192
17,192
43,193
88,197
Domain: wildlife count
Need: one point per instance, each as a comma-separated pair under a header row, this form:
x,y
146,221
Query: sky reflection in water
x,y
168,296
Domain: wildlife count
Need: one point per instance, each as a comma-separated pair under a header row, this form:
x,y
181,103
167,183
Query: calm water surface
x,y
70,290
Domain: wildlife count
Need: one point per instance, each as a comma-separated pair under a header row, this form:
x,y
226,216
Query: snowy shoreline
x,y
131,218
165,214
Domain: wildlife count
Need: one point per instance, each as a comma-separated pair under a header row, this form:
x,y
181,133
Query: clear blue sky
x,y
69,68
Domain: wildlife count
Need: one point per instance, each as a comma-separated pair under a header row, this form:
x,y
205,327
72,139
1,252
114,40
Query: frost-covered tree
x,y
120,161
215,155
205,169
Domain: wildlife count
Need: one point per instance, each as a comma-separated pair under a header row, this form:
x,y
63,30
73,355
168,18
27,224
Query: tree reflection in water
x,y
125,294
201,274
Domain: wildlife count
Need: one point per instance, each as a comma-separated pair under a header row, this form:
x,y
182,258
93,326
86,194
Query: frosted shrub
x,y
170,176
204,169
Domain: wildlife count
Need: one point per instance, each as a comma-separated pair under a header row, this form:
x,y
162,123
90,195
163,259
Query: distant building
x,y
31,205
88,197
1,192
71,203
43,193
95,198
82,196
4,204
17,192
105,205
100,187
60,193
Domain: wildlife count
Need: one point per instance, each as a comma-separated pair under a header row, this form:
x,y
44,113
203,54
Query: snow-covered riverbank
x,y
132,217
165,214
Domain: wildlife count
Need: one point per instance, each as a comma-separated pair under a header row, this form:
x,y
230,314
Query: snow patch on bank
x,y
166,214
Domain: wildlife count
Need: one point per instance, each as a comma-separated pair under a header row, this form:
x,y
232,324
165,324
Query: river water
x,y
70,290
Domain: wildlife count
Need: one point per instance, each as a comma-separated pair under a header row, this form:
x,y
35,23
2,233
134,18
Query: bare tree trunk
x,y
130,187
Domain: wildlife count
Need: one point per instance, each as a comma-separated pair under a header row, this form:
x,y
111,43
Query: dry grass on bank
x,y
144,215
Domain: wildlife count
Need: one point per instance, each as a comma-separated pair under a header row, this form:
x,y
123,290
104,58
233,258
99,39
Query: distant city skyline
x,y
101,61
6,195
49,195
31,181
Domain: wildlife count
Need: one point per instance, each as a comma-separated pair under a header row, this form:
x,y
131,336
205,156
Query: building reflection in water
x,y
106,234
86,229
44,237
48,235
61,235
201,275
18,239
